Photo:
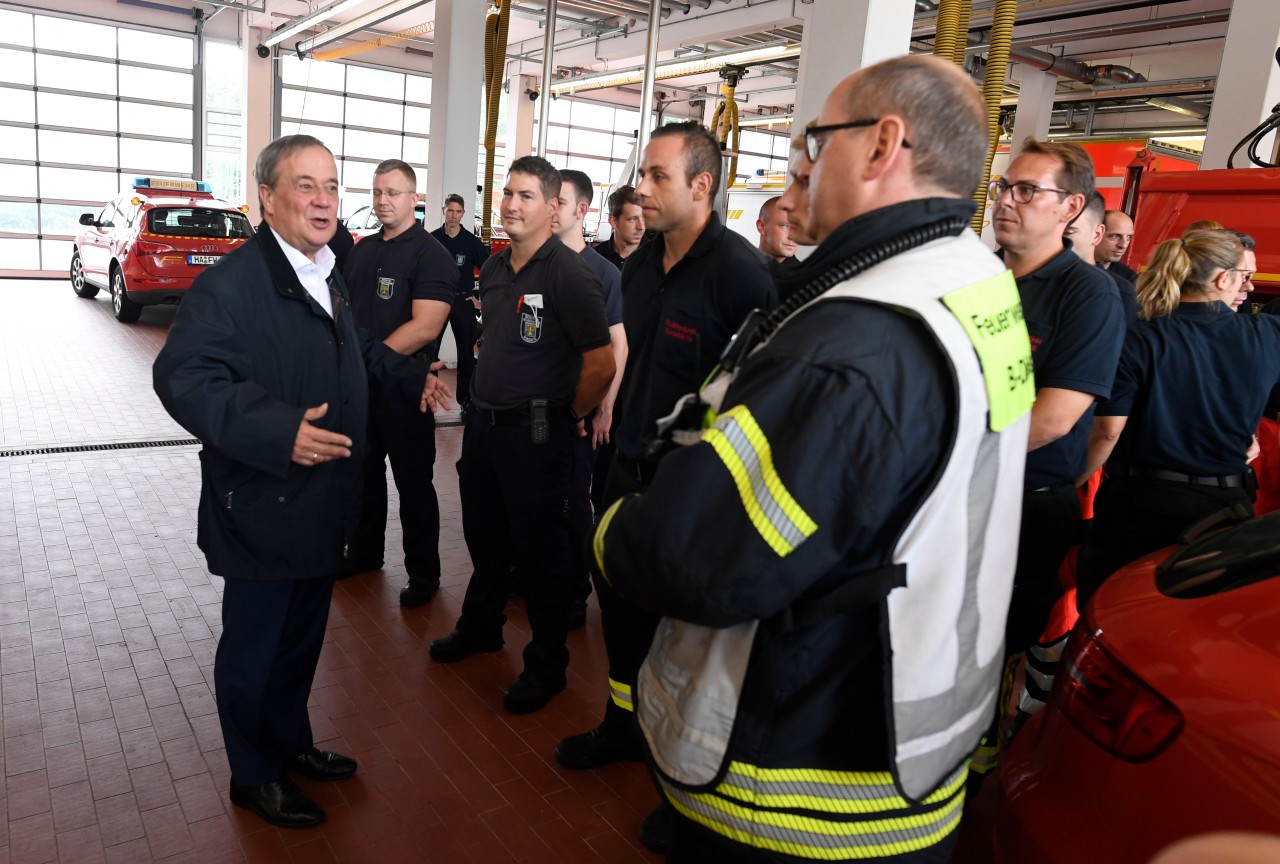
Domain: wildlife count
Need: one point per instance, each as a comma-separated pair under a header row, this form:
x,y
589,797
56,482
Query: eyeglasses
x,y
815,137
1022,193
306,187
392,194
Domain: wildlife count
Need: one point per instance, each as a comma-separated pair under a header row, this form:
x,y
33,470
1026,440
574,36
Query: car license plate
x,y
203,259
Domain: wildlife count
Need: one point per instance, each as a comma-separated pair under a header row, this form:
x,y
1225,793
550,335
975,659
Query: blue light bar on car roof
x,y
172,184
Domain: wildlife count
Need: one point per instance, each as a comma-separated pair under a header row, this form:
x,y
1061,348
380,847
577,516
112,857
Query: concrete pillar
x,y
1248,82
259,116
841,37
520,114
457,94
1035,105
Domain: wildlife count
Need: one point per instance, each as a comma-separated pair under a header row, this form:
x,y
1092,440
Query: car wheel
x,y
78,283
126,310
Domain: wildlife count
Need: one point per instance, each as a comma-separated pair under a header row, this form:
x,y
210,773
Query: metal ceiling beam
x,y
1127,29
260,6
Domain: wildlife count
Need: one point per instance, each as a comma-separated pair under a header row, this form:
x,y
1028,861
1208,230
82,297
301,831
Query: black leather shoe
x,y
530,694
655,830
604,744
418,593
318,764
279,802
354,568
458,646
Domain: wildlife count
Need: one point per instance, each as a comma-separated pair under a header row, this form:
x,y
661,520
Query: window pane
x,y
417,88
55,254
305,105
330,136
626,122
19,105
16,27
60,218
598,170
417,120
143,47
155,157
557,138
416,149
21,255
73,148
594,116
17,67
590,143
224,173
85,76
16,218
18,143
371,145
18,180
154,84
375,82
379,115
83,112
224,75
75,37
560,111
309,73
358,174
155,120
199,222
76,184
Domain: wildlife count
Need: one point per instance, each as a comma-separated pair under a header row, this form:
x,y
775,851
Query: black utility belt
x,y
536,415
1229,481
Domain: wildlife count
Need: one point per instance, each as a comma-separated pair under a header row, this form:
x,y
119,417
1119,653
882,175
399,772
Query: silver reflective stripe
x,y
894,828
764,497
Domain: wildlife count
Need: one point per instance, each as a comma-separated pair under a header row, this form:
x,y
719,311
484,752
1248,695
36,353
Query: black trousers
x,y
581,515
398,429
1134,516
1050,527
628,628
272,632
462,318
515,510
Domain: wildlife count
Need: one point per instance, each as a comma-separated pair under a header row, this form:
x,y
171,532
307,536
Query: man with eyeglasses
x,y
402,284
830,548
1076,322
265,366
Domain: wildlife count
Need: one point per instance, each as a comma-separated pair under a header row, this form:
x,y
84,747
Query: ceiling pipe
x,y
1074,70
977,45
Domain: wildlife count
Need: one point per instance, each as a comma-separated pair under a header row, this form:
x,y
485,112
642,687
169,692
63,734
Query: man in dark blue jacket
x,y
263,364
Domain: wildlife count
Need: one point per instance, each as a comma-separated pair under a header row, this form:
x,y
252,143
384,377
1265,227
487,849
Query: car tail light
x,y
145,247
1110,704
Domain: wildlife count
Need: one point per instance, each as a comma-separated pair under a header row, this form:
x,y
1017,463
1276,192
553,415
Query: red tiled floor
x,y
109,743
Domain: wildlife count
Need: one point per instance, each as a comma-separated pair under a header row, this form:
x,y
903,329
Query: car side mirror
x,y
86,218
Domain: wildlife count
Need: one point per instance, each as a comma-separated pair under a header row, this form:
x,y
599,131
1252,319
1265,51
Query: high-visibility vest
x,y
945,624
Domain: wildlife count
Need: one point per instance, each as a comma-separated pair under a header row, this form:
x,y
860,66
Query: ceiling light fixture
x,y
306,22
774,120
362,22
678,68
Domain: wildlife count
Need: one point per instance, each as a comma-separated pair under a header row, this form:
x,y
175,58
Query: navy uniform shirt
x,y
1076,322
386,276
611,279
468,252
1128,295
537,325
1193,386
1123,271
679,322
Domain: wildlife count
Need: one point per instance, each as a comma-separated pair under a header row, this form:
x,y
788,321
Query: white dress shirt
x,y
314,275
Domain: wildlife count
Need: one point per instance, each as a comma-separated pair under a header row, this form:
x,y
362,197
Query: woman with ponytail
x,y
1190,388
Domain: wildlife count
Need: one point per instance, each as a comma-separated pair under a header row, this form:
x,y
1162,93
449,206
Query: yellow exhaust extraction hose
x,y
495,56
993,91
725,121
944,40
962,32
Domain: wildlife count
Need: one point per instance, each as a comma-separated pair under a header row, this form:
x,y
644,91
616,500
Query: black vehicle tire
x,y
126,310
78,283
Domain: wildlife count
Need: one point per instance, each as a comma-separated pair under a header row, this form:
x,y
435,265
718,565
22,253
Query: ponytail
x,y
1160,285
1185,267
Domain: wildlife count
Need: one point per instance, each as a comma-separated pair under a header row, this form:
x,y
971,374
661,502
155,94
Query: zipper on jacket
x,y
229,494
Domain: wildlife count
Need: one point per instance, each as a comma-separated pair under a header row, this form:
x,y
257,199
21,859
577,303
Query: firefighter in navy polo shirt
x,y
545,364
469,253
402,284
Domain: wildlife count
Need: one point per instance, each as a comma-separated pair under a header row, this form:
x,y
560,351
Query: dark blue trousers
x,y
272,632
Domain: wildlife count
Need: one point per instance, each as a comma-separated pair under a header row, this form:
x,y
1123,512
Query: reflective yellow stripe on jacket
x,y
745,451
822,815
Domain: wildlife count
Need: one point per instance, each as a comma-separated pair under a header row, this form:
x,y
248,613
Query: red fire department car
x,y
147,245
